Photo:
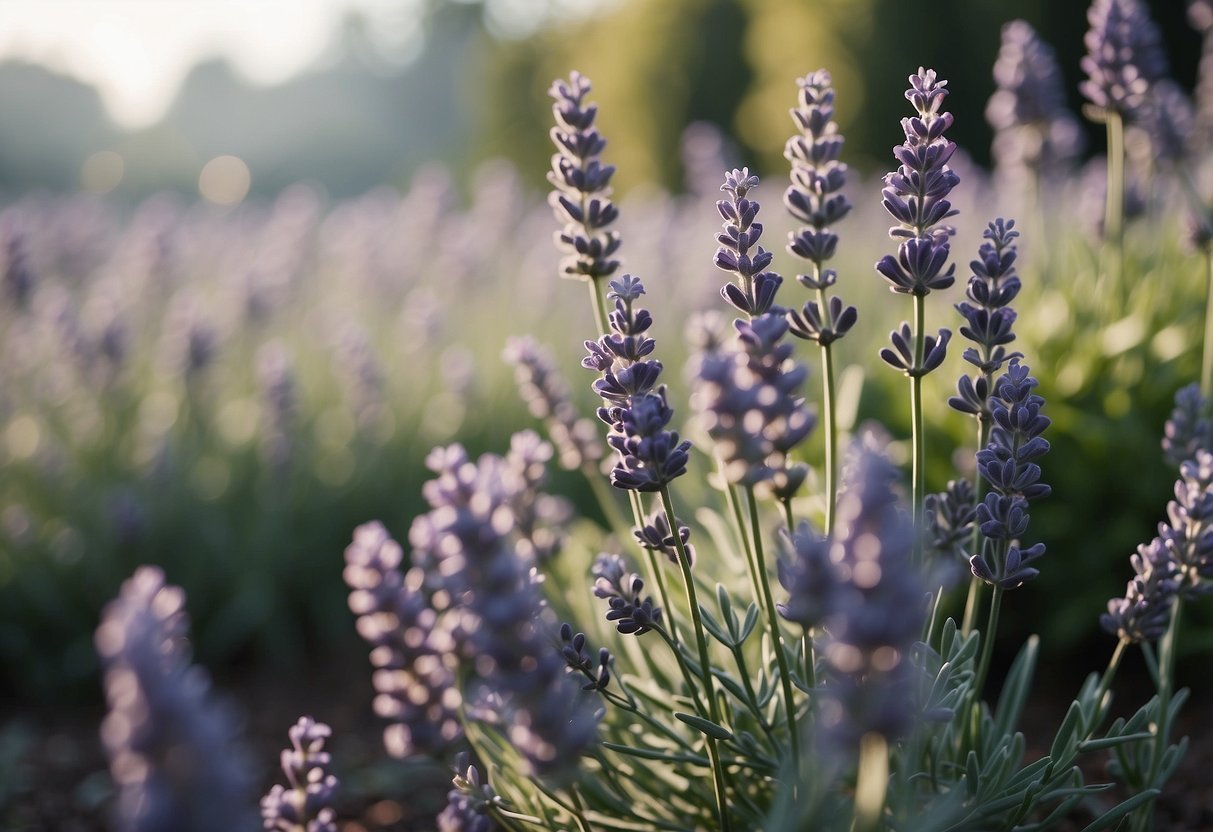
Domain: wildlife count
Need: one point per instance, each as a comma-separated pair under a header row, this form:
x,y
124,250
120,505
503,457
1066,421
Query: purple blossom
x,y
307,805
622,588
173,750
579,661
1007,465
469,801
471,550
581,183
748,395
1188,532
869,598
657,536
1125,56
950,516
753,292
547,397
1034,130
649,456
414,674
1145,610
1189,429
988,317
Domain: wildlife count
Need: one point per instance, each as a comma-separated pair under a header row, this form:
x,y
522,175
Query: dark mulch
x,y
60,781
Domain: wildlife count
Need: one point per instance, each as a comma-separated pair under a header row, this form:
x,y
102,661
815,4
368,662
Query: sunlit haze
x,y
137,51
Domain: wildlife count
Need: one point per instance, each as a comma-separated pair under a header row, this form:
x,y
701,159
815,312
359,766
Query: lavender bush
x,y
728,639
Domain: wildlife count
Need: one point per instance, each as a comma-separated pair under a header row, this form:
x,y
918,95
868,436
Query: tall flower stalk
x,y
1124,58
815,199
989,320
915,195
582,191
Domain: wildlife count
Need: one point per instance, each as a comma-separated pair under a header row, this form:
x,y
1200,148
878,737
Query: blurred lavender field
x,y
226,387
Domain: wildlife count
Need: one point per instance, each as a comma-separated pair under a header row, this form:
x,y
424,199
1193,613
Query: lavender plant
x,y
526,650
915,195
814,198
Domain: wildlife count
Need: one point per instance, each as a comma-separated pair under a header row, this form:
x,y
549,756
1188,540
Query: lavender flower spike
x,y
753,293
649,456
1189,429
581,182
469,801
414,675
1124,57
173,750
1034,132
875,610
622,590
307,805
1145,611
1007,464
547,397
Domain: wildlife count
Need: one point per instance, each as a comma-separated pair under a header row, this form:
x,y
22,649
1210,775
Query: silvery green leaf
x,y
1112,741
751,619
714,629
1171,758
706,726
1124,809
1064,744
1015,689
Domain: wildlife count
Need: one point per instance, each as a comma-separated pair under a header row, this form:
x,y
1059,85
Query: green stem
x,y
722,809
599,304
687,675
655,566
1114,208
973,602
918,480
785,677
1206,363
788,519
987,641
1144,817
1105,682
831,423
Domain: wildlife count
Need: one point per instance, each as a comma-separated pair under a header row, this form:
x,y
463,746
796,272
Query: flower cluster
x,y
581,198
753,292
173,749
307,805
815,198
649,455
748,394
468,801
1007,465
950,515
656,535
1145,610
1124,56
469,547
547,397
861,588
622,588
1188,533
1034,130
414,674
988,317
579,661
916,194
1189,429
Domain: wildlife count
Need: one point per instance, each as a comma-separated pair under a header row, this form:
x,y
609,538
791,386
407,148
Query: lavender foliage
x,y
307,806
173,749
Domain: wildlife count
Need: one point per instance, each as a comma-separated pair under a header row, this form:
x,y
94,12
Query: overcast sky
x,y
137,51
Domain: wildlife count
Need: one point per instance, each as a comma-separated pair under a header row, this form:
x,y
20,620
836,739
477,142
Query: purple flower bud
x,y
622,591
307,805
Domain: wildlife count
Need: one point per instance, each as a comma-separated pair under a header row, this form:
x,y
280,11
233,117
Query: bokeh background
x,y
258,257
